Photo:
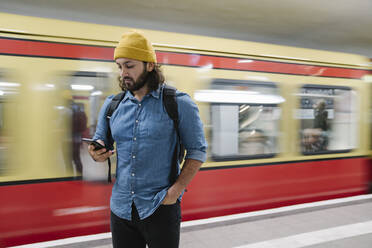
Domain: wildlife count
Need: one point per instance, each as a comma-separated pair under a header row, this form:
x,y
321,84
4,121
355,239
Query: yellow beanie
x,y
133,45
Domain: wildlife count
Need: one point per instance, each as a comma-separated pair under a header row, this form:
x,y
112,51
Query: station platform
x,y
342,223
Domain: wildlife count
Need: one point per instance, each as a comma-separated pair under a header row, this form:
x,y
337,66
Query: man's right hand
x,y
99,155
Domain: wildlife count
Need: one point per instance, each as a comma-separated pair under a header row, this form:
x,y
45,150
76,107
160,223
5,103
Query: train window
x,y
328,119
8,90
244,119
88,91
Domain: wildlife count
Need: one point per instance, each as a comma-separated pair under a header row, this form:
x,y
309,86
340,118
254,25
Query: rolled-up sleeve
x,y
191,128
101,129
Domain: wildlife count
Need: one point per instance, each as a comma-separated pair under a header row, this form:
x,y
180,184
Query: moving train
x,y
285,125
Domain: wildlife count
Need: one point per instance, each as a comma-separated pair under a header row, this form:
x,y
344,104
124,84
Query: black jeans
x,y
160,230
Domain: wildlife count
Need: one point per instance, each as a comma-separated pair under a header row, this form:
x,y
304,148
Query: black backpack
x,y
170,104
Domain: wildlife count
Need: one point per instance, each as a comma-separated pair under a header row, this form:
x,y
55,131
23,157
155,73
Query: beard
x,y
138,84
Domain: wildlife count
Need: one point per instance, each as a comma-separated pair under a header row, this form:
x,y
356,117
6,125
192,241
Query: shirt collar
x,y
154,93
127,95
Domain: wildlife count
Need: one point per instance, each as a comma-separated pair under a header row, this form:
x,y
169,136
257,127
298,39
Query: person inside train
x,y
315,139
73,116
321,116
145,204
79,126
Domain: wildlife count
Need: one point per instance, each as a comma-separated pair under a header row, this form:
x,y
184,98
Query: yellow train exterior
x,y
258,103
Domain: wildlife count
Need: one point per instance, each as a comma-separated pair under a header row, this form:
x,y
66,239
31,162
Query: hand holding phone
x,y
95,151
97,146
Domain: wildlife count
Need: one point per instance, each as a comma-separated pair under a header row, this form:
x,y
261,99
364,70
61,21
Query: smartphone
x,y
97,146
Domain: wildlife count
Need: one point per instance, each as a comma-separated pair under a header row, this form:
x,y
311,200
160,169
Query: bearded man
x,y
145,203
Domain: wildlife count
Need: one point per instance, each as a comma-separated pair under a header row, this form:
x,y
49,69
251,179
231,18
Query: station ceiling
x,y
338,25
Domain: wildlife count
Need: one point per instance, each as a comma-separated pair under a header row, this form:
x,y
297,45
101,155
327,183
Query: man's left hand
x,y
171,197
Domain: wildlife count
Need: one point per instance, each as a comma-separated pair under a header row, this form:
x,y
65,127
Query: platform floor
x,y
342,223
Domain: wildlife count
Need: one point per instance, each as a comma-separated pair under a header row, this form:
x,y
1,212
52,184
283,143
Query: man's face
x,y
133,73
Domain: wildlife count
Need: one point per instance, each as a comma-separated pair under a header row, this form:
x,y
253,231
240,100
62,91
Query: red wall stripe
x,y
77,51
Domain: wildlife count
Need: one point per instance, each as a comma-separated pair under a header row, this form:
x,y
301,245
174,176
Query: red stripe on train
x,y
54,49
76,51
256,65
38,212
237,190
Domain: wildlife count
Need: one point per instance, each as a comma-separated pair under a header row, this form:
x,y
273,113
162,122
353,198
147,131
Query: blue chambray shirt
x,y
145,141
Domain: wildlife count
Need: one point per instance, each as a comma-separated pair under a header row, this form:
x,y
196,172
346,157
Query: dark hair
x,y
153,79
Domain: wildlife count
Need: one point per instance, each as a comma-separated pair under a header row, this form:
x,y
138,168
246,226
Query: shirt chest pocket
x,y
157,126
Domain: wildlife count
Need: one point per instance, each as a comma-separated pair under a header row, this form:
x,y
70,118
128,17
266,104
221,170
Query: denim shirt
x,y
145,141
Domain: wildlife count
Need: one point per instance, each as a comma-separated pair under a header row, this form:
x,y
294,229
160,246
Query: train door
x,y
83,93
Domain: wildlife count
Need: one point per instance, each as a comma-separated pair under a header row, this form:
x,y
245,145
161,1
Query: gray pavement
x,y
279,229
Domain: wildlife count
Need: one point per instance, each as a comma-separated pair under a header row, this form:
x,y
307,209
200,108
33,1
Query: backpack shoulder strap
x,y
171,106
170,103
109,111
110,141
114,104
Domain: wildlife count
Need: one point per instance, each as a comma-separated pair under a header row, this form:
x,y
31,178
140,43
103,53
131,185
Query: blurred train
x,y
285,125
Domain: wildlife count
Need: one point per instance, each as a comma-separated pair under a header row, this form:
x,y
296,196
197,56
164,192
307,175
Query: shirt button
x,y
132,192
137,121
140,104
132,174
134,157
135,138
